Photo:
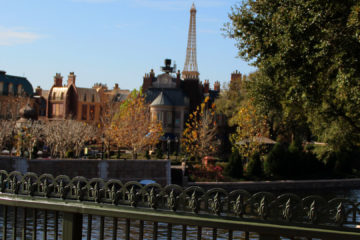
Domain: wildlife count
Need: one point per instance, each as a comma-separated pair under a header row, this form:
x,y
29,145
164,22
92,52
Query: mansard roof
x,y
166,97
16,81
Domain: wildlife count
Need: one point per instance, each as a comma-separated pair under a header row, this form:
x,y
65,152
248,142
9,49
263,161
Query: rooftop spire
x,y
190,67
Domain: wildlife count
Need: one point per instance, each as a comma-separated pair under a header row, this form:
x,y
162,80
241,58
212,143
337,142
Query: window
x,y
84,97
92,112
19,90
10,89
54,96
168,119
1,88
62,96
177,119
61,110
84,112
53,112
93,98
159,116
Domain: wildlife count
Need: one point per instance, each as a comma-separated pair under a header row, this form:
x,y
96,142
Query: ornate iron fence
x,y
69,200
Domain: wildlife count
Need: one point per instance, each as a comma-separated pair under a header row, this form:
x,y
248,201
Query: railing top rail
x,y
194,202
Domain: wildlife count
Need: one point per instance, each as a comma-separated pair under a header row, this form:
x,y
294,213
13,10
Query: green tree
x,y
231,97
308,53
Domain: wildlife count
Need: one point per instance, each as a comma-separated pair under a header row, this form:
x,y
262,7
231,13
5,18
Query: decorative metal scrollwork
x,y
152,199
171,201
238,206
2,183
340,214
215,204
261,206
313,214
194,203
132,196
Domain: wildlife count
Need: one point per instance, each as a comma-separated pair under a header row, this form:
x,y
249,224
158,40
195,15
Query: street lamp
x,y
102,146
168,147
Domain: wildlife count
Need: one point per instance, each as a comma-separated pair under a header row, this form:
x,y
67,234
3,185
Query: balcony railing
x,y
47,207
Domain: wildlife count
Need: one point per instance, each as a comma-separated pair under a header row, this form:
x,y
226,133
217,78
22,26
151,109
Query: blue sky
x,y
112,41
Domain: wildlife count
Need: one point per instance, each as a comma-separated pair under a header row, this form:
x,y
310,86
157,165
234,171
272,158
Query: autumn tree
x,y
6,132
132,126
199,137
109,109
251,128
29,135
67,135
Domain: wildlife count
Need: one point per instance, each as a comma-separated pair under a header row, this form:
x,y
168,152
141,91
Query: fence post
x,y
72,226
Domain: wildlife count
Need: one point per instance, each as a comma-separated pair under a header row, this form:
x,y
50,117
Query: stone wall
x,y
125,170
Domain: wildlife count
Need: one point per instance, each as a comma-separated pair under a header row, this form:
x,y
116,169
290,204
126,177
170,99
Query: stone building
x,y
15,93
171,98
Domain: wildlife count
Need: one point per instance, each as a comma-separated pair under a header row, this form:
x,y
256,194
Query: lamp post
x,y
168,147
102,146
177,147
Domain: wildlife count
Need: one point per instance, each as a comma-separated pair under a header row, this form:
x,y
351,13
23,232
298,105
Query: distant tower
x,y
190,68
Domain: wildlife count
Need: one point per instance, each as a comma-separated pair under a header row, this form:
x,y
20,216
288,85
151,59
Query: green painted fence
x,y
29,200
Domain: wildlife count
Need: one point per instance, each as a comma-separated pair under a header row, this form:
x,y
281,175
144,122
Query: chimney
x,y
206,86
116,86
71,78
178,79
217,86
38,91
58,80
2,73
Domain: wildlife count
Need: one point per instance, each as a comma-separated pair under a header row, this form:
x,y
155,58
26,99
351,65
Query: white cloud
x,y
9,37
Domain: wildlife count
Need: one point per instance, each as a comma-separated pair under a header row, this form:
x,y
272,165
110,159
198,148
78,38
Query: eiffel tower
x,y
190,67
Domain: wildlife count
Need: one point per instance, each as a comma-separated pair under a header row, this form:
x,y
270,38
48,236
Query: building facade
x,y
171,98
67,101
15,93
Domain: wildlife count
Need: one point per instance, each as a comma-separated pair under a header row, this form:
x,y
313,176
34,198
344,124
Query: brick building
x,y
67,101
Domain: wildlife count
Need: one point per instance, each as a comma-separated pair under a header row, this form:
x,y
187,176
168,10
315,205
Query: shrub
x,y
234,168
275,161
159,153
254,167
